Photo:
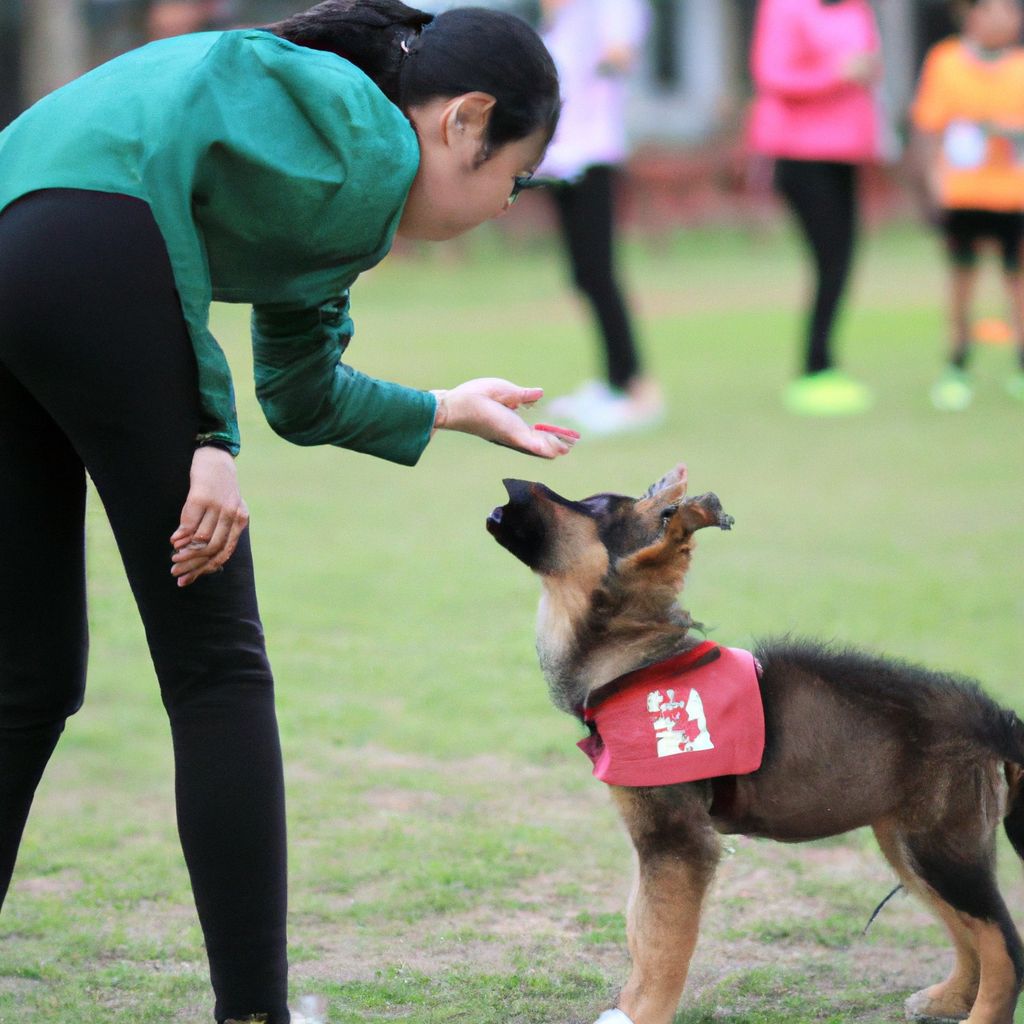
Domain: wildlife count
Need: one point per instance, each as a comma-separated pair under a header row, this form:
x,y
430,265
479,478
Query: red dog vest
x,y
696,716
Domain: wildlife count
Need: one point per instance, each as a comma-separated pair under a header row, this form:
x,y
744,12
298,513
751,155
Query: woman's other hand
x,y
487,408
212,519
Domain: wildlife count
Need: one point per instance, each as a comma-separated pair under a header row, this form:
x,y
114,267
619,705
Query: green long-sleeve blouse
x,y
276,174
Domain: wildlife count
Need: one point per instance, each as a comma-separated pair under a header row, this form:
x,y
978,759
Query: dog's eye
x,y
668,512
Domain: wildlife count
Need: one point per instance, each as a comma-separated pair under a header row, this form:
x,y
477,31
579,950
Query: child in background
x,y
969,120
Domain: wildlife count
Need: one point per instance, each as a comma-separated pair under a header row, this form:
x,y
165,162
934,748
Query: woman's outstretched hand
x,y
212,519
487,408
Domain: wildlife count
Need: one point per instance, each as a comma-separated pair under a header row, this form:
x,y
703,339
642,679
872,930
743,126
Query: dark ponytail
x,y
414,57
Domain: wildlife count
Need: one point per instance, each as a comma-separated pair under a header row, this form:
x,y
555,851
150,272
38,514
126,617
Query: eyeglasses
x,y
525,182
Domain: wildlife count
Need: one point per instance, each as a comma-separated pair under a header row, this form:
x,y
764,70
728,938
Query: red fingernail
x,y
548,428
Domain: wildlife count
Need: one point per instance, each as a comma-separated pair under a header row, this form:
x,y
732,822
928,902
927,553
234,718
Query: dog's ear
x,y
681,521
666,494
674,479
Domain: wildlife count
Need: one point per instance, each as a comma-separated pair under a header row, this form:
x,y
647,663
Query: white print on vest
x,y
680,726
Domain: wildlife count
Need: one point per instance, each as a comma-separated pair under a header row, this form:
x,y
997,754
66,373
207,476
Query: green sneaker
x,y
828,393
952,392
1015,386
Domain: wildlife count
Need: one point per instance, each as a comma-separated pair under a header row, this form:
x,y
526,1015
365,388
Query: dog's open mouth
x,y
498,525
516,525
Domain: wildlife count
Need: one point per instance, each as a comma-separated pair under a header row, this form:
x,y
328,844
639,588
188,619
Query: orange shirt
x,y
978,107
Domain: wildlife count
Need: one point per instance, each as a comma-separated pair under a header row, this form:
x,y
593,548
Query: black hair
x,y
414,57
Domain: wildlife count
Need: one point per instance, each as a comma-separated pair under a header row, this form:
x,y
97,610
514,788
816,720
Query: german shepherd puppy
x,y
945,765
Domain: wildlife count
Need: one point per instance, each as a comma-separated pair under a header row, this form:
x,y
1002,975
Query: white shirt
x,y
592,128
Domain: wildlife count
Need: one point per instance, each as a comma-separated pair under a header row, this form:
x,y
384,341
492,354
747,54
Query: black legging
x,y
823,197
586,210
97,375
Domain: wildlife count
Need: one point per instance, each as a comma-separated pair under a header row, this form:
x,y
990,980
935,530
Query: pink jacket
x,y
803,108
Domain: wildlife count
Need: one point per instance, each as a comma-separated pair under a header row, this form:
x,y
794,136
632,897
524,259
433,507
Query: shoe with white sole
x,y
589,393
311,1010
602,411
613,1017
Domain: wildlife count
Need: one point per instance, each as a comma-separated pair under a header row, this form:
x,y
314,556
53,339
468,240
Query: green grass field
x,y
452,860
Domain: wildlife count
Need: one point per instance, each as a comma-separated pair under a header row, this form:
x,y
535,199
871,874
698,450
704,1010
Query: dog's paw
x,y
936,1006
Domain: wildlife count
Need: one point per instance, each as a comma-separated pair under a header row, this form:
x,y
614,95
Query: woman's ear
x,y
466,118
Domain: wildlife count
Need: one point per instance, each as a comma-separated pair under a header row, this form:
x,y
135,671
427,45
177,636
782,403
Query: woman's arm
x,y
623,25
212,519
310,397
486,408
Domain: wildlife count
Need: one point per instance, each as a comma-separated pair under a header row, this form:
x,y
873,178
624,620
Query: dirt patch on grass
x,y
784,909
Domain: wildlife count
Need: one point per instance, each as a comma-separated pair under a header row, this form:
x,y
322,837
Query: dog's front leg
x,y
673,871
662,925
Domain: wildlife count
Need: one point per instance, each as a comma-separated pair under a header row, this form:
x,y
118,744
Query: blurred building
x,y
692,84
10,59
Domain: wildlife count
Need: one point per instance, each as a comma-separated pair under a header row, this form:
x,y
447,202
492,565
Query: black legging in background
x,y
97,375
586,210
823,197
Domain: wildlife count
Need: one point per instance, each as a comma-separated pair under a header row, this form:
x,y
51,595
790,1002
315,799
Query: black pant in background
x,y
586,211
823,197
97,375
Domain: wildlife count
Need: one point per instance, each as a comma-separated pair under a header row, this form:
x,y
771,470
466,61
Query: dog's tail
x,y
1011,747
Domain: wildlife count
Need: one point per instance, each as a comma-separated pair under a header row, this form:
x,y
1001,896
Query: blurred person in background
x,y
594,44
815,65
969,121
177,17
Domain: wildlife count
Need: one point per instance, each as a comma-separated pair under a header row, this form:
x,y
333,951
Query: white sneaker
x,y
570,406
613,1017
311,1010
619,415
600,411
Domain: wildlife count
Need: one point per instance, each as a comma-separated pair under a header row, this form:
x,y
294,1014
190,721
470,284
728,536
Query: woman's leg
x,y
631,401
110,360
43,632
823,198
587,214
